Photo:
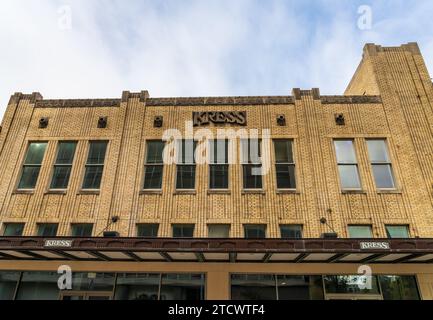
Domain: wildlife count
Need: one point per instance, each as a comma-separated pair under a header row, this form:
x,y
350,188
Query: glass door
x,y
85,295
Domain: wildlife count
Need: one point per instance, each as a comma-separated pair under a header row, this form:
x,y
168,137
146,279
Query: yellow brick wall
x,y
406,120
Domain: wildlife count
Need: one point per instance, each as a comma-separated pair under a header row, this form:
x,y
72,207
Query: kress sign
x,y
232,117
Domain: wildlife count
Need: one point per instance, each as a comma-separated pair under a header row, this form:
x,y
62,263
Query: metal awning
x,y
218,250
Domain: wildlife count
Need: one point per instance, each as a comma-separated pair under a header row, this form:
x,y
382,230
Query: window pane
x,y
377,151
153,177
383,176
29,177
345,151
137,286
155,151
13,229
97,152
360,232
92,177
182,287
47,230
253,287
349,176
39,286
185,177
183,231
35,153
397,232
61,177
251,150
285,176
291,231
90,281
300,287
255,231
252,178
283,151
8,283
185,151
149,230
399,288
218,151
219,176
82,230
66,152
351,284
219,231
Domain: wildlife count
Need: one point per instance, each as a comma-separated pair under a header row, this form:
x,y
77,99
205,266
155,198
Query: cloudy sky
x,y
98,48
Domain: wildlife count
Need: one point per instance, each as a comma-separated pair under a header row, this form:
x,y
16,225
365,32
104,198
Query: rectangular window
x,y
255,231
8,284
183,230
218,167
351,284
219,231
347,165
13,229
82,229
38,285
291,231
381,163
399,288
154,166
63,165
32,165
95,165
251,164
360,232
399,232
185,178
284,164
147,230
47,229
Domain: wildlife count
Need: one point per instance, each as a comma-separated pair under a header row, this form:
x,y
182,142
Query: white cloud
x,y
242,47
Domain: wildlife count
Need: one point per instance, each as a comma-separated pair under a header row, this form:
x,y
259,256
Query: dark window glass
x,y
253,287
219,230
154,166
360,232
182,287
347,164
39,286
255,231
82,230
136,286
285,165
183,231
185,177
291,231
218,168
8,284
356,284
47,229
300,287
13,229
381,163
90,281
63,165
401,232
399,288
32,165
147,230
95,165
251,164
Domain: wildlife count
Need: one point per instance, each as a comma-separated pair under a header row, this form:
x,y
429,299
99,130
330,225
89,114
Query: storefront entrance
x,y
352,297
85,295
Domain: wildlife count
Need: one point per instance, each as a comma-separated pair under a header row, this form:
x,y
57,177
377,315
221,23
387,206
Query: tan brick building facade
x,y
390,97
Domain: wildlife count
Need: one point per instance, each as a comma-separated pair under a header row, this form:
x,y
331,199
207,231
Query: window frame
x,y
213,164
137,228
150,164
209,225
173,225
71,164
245,225
360,225
348,164
86,165
82,224
251,164
301,227
6,224
406,226
24,165
388,163
184,164
39,224
292,164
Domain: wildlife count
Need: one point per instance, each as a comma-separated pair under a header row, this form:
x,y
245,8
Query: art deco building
x,y
348,189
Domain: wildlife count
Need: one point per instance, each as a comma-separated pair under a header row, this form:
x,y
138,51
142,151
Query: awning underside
x,y
219,250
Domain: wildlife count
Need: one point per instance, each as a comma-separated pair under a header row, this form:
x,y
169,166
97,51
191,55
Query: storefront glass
x,y
399,287
136,286
38,286
8,284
